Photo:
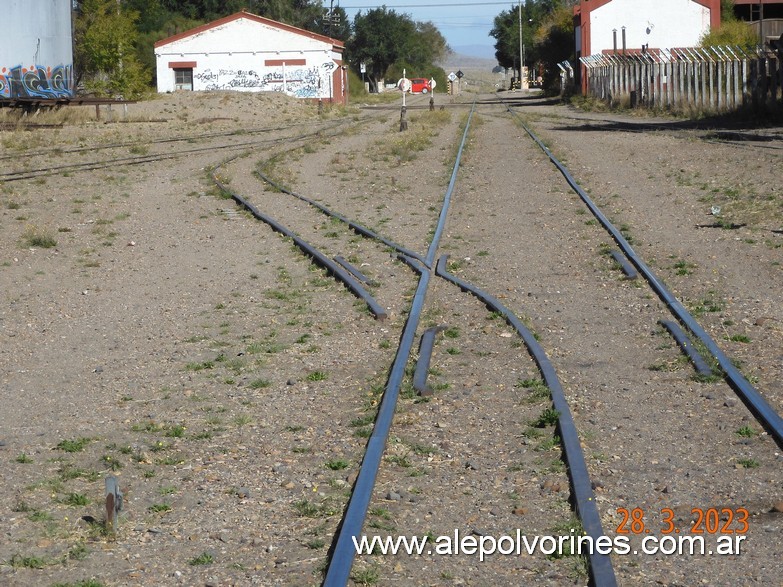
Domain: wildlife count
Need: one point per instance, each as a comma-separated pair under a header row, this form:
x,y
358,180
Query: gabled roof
x,y
585,7
254,17
590,6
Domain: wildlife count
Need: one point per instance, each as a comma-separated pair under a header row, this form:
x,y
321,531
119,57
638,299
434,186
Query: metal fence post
x,y
745,74
713,93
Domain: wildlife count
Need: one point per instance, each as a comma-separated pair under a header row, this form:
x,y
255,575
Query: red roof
x,y
254,17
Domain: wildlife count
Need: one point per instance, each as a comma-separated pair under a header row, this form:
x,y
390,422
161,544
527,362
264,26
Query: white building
x,y
654,24
245,52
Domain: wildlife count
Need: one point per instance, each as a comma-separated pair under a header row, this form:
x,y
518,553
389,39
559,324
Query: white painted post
x,y
696,86
720,83
617,79
404,77
744,79
704,67
735,73
707,80
692,99
680,86
713,95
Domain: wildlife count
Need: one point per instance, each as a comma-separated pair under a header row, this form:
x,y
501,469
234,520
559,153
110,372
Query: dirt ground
x,y
152,331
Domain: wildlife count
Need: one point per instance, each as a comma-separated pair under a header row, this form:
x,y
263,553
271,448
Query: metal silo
x,y
36,49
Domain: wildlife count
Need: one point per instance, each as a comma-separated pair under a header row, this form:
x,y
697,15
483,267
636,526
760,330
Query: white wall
x,y
659,23
233,56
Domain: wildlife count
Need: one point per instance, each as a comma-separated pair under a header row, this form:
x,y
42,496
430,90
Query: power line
x,y
511,4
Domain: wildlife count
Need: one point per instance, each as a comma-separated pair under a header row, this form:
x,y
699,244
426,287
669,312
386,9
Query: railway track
x,y
751,138
539,411
223,142
355,516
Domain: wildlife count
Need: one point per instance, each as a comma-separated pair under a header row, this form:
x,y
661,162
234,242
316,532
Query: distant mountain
x,y
478,51
465,58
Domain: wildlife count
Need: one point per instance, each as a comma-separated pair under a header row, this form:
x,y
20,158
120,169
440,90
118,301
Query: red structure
x,y
635,25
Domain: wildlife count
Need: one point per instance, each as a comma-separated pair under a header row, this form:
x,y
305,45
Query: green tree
x,y
727,11
306,14
152,14
554,41
378,37
547,35
337,25
429,45
731,32
206,10
171,24
388,42
506,33
104,50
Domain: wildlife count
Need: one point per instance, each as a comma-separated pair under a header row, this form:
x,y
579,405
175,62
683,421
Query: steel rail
x,y
423,364
139,160
333,268
750,396
355,226
593,123
601,571
622,260
354,271
344,550
686,345
414,264
184,138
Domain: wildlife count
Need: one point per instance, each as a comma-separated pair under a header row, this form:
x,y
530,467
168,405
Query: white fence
x,y
717,79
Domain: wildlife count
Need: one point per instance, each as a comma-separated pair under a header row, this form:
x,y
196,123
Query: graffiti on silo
x,y
36,54
36,81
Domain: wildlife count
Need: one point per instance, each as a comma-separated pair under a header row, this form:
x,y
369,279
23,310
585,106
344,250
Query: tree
x,y
506,33
306,14
206,10
547,35
337,25
152,16
431,44
731,31
555,42
384,39
105,35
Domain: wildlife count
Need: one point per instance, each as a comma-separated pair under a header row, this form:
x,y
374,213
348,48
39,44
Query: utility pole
x,y
332,18
521,49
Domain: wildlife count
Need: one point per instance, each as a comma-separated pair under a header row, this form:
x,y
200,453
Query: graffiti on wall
x,y
301,82
229,79
36,81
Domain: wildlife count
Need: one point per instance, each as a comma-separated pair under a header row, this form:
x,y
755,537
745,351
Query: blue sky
x,y
462,23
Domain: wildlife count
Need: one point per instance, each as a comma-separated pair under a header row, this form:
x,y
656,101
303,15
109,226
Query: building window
x,y
183,79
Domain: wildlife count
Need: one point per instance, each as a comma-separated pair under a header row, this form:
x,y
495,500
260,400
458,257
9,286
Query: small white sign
x,y
452,77
433,83
404,84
